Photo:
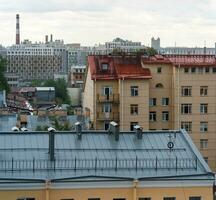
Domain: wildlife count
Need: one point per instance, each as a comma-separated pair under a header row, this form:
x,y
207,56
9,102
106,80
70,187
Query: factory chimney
x,y
51,38
46,39
17,30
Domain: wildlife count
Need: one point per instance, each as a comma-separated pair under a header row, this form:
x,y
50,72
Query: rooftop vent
x,y
138,130
114,129
51,143
24,129
78,127
15,128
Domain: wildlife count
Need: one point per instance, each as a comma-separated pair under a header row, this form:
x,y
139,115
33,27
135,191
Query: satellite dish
x,y
170,145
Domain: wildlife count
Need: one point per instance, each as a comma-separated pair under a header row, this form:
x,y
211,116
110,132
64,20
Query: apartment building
x,y
180,92
117,89
186,98
97,165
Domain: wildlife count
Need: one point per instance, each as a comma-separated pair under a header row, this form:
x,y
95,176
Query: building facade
x,y
116,89
180,93
36,61
101,166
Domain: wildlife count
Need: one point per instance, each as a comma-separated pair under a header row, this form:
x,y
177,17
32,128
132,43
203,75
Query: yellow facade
x,y
172,78
133,193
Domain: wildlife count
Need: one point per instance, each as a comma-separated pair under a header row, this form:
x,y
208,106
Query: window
x,y
186,108
26,198
203,143
203,127
132,124
134,91
186,91
159,85
152,116
203,108
119,199
165,101
107,108
193,70
206,159
159,70
169,198
104,66
93,198
106,125
152,102
134,109
203,90
187,126
186,70
165,116
194,198
207,70
214,69
145,198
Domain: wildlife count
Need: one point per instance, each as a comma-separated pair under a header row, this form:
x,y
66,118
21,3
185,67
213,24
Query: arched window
x,y
159,85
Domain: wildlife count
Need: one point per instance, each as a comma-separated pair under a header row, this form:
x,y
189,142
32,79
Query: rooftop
x,y
25,156
119,67
182,60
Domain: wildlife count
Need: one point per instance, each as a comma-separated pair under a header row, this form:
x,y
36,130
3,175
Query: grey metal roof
x,y
25,156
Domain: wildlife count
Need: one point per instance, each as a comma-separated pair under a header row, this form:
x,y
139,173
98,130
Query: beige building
x,y
177,92
96,165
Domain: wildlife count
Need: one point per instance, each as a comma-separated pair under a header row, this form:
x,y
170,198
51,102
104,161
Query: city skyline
x,y
185,23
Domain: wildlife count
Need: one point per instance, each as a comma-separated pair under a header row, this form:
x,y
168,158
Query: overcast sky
x,y
184,22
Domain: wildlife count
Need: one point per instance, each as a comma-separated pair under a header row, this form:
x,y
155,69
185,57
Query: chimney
x,y
138,131
46,39
51,38
17,29
114,129
78,128
51,143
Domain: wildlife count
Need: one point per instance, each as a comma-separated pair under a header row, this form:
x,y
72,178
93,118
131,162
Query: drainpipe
x,y
135,184
178,98
95,104
122,103
47,185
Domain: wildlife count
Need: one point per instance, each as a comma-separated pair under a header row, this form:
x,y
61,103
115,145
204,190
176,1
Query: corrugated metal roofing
x,y
26,156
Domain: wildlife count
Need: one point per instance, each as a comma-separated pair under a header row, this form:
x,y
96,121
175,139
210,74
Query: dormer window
x,y
104,66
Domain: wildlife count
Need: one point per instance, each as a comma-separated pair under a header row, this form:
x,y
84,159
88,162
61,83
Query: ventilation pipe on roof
x,y
138,131
51,143
78,128
114,129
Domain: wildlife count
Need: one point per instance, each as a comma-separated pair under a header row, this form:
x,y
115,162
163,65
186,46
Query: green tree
x,y
60,90
3,81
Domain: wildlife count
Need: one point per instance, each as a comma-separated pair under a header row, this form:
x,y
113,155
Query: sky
x,y
89,22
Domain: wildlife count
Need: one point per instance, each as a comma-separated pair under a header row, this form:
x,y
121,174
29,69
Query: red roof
x,y
119,68
182,60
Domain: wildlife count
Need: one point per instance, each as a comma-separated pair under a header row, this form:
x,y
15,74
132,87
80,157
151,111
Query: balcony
x,y
112,98
108,116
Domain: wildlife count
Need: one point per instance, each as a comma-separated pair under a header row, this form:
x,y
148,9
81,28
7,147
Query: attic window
x,y
159,85
104,66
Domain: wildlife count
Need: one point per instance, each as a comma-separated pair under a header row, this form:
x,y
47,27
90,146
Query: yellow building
x,y
91,165
117,89
178,91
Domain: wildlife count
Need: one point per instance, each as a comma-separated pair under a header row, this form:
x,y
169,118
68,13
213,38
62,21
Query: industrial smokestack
x,y
17,29
51,38
46,39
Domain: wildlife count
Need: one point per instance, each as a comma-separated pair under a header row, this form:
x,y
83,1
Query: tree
x,y
3,81
60,90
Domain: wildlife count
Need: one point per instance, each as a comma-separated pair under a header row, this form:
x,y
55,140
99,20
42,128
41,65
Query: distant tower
x,y
155,43
46,39
17,30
